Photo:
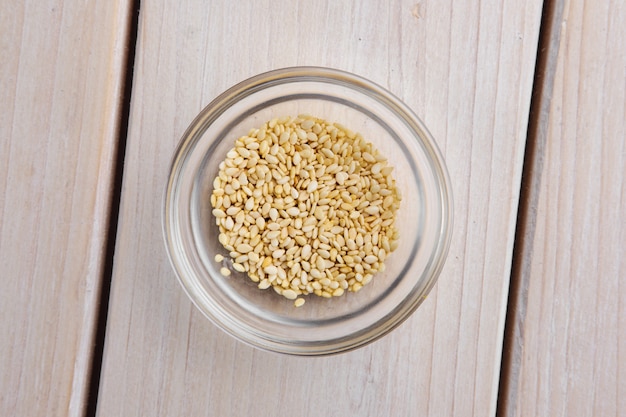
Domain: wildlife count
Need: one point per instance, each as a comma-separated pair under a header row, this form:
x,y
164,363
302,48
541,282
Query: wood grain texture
x,y
466,68
60,93
573,359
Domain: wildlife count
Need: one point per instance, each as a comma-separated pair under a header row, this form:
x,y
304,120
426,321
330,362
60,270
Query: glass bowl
x,y
263,318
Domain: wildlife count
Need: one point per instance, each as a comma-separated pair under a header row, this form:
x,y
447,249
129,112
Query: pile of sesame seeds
x,y
305,206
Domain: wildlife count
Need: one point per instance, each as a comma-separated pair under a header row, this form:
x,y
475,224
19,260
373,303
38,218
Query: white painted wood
x,y
574,334
61,76
466,68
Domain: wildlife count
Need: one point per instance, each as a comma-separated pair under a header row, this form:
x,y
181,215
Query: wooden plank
x,y
574,334
465,68
61,79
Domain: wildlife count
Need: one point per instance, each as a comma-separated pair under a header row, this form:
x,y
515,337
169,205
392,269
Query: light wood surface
x,y
573,355
61,72
466,68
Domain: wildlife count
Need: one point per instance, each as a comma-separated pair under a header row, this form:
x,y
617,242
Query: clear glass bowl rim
x,y
212,112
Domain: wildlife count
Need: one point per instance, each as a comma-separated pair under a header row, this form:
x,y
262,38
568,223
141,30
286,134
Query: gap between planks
x,y
105,290
547,53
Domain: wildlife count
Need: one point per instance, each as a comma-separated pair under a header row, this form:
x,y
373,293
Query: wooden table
x,y
526,100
